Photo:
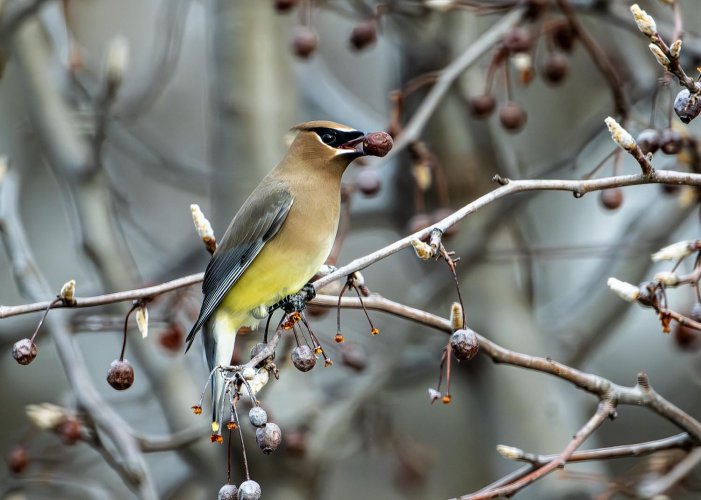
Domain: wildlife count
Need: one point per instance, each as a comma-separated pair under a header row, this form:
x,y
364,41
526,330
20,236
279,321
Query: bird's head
x,y
329,142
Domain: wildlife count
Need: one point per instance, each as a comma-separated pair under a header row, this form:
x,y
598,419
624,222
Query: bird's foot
x,y
295,302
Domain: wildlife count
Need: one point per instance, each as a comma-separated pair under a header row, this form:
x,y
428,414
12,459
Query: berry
x,y
481,106
611,198
304,41
228,492
364,34
648,140
368,182
284,6
563,36
256,349
687,106
120,375
418,222
18,459
464,344
512,116
303,358
268,437
249,490
354,356
377,144
696,312
670,141
258,416
24,351
517,39
555,68
70,431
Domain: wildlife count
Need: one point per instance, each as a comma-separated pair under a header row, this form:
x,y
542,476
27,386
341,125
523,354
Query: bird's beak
x,y
354,145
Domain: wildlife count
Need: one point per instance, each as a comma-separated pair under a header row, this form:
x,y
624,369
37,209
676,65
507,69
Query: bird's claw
x,y
295,302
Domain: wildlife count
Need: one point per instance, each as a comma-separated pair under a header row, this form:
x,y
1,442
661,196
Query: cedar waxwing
x,y
277,241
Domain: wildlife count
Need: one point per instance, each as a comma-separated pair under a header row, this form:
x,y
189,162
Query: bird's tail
x,y
219,339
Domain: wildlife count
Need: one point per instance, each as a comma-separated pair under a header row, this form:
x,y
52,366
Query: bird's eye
x,y
328,138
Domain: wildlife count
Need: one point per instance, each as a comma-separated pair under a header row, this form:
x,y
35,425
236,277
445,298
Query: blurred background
x,y
109,150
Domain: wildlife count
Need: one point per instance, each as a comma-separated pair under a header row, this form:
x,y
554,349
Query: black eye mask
x,y
336,138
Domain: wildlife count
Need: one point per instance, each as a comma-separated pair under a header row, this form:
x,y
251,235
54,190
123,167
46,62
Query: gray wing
x,y
260,218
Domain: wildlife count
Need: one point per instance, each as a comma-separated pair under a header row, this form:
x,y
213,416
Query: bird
x,y
277,241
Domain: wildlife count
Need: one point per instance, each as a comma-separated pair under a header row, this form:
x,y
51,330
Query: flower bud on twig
x,y
620,135
510,452
659,55
423,250
67,293
204,228
667,278
675,251
626,291
675,49
645,22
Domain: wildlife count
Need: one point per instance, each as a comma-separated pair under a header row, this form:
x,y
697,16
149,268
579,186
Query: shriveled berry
x,y
418,222
612,198
70,431
258,416
269,437
24,351
517,39
304,41
249,490
563,35
368,182
228,492
285,5
648,140
303,358
464,344
555,68
120,375
481,106
364,34
670,141
354,356
512,116
18,459
377,143
687,106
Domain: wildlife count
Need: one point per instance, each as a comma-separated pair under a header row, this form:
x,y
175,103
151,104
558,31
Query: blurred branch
x,y
14,13
599,57
412,130
130,462
678,472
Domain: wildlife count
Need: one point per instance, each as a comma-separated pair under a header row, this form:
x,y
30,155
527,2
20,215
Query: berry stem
x,y
126,322
243,446
41,321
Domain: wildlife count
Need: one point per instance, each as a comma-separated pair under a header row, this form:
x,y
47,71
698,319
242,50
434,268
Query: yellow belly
x,y
275,273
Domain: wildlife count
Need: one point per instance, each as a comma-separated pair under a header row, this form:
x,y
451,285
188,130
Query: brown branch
x,y
508,187
605,410
640,394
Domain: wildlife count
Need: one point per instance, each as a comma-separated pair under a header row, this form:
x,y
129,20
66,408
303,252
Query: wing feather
x,y
257,222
